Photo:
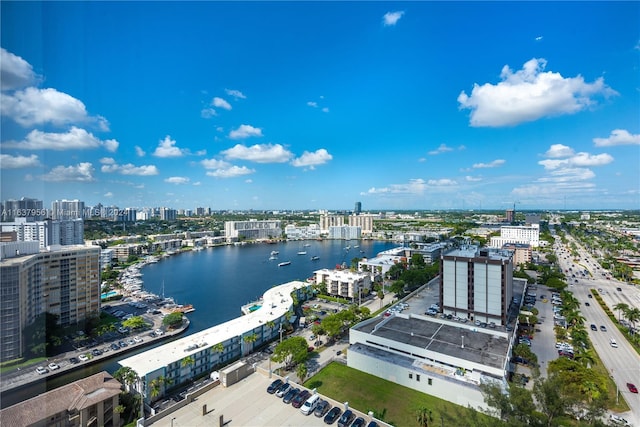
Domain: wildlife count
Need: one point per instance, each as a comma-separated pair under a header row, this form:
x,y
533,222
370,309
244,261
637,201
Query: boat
x,y
274,253
272,257
306,245
282,264
302,253
187,308
315,258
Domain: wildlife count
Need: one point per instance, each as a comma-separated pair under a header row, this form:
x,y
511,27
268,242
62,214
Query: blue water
x,y
108,294
218,282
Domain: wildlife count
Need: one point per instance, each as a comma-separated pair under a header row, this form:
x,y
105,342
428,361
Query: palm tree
x,y
250,339
633,315
127,376
156,385
622,308
218,348
423,416
302,372
586,358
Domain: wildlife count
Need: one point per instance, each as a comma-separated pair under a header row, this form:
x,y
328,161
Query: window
x,y
410,375
430,381
418,377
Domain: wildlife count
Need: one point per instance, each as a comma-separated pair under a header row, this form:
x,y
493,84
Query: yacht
x,y
282,264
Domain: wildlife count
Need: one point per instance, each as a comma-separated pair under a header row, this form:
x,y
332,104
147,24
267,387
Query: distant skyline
x,y
317,105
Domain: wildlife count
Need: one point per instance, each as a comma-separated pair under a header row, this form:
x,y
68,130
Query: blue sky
x,y
303,105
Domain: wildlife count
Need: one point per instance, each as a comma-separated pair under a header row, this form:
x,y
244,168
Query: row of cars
x,y
313,404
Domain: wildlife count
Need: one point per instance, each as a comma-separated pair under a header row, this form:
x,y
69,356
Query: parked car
x,y
346,419
83,357
300,398
53,366
73,360
290,395
322,408
283,389
632,388
115,346
42,370
96,352
372,424
332,415
274,386
358,422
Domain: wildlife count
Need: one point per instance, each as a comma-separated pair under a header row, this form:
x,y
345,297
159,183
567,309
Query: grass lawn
x,y
391,402
9,367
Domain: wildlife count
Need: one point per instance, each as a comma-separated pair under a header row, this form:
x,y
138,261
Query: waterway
x,y
218,281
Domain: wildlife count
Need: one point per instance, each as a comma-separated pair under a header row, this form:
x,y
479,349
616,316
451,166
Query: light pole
x,y
173,418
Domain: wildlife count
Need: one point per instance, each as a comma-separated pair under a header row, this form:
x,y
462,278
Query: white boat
x,y
282,264
274,253
272,257
315,258
302,253
306,245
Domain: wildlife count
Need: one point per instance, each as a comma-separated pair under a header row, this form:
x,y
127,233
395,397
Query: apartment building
x,y
345,232
252,230
63,280
364,221
90,401
67,209
477,284
527,234
343,283
47,232
327,221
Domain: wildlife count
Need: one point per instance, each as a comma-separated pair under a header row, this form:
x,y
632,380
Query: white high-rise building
x,y
67,209
327,221
252,230
364,221
527,234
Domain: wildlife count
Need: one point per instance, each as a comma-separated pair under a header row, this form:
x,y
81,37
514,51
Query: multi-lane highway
x,y
623,362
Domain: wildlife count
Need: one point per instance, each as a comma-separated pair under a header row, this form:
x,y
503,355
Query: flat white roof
x,y
275,304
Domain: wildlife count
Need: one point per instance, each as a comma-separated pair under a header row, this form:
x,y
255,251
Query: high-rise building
x,y
64,281
168,214
67,209
365,222
476,284
358,208
47,232
30,209
252,230
510,215
526,234
327,221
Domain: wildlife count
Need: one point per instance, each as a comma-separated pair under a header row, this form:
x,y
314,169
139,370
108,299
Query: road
x,y
623,362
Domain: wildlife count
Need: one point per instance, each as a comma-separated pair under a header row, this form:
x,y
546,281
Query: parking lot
x,y
246,403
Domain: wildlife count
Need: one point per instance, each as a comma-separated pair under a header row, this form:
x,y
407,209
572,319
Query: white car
x,y
53,366
619,420
138,339
41,370
83,357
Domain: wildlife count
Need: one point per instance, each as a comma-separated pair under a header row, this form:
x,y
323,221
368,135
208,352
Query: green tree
x,y
397,287
622,308
172,320
332,325
135,322
250,340
301,372
156,386
291,351
423,416
127,376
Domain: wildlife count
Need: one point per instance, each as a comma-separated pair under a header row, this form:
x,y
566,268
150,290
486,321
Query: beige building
x,y
364,221
91,401
343,283
327,221
64,281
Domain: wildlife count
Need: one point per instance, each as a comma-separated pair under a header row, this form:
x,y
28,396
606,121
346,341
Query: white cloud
x,y
245,131
579,159
568,175
108,194
325,109
167,148
197,183
539,38
443,182
530,94
82,172
235,93
15,72
259,153
177,180
318,157
559,150
139,151
214,164
469,178
220,103
492,164
74,139
109,165
441,149
312,104
414,186
15,162
231,172
618,137
32,106
207,113
392,18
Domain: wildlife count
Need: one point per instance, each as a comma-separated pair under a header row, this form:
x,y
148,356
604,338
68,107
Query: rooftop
x,y
275,304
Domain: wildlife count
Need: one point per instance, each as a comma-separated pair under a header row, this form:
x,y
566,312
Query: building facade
x,y
252,230
327,221
307,232
91,401
345,232
67,209
30,209
365,222
527,234
219,345
476,284
343,283
64,281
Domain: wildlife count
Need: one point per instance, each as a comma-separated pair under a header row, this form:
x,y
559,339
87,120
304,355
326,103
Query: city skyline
x,y
307,106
